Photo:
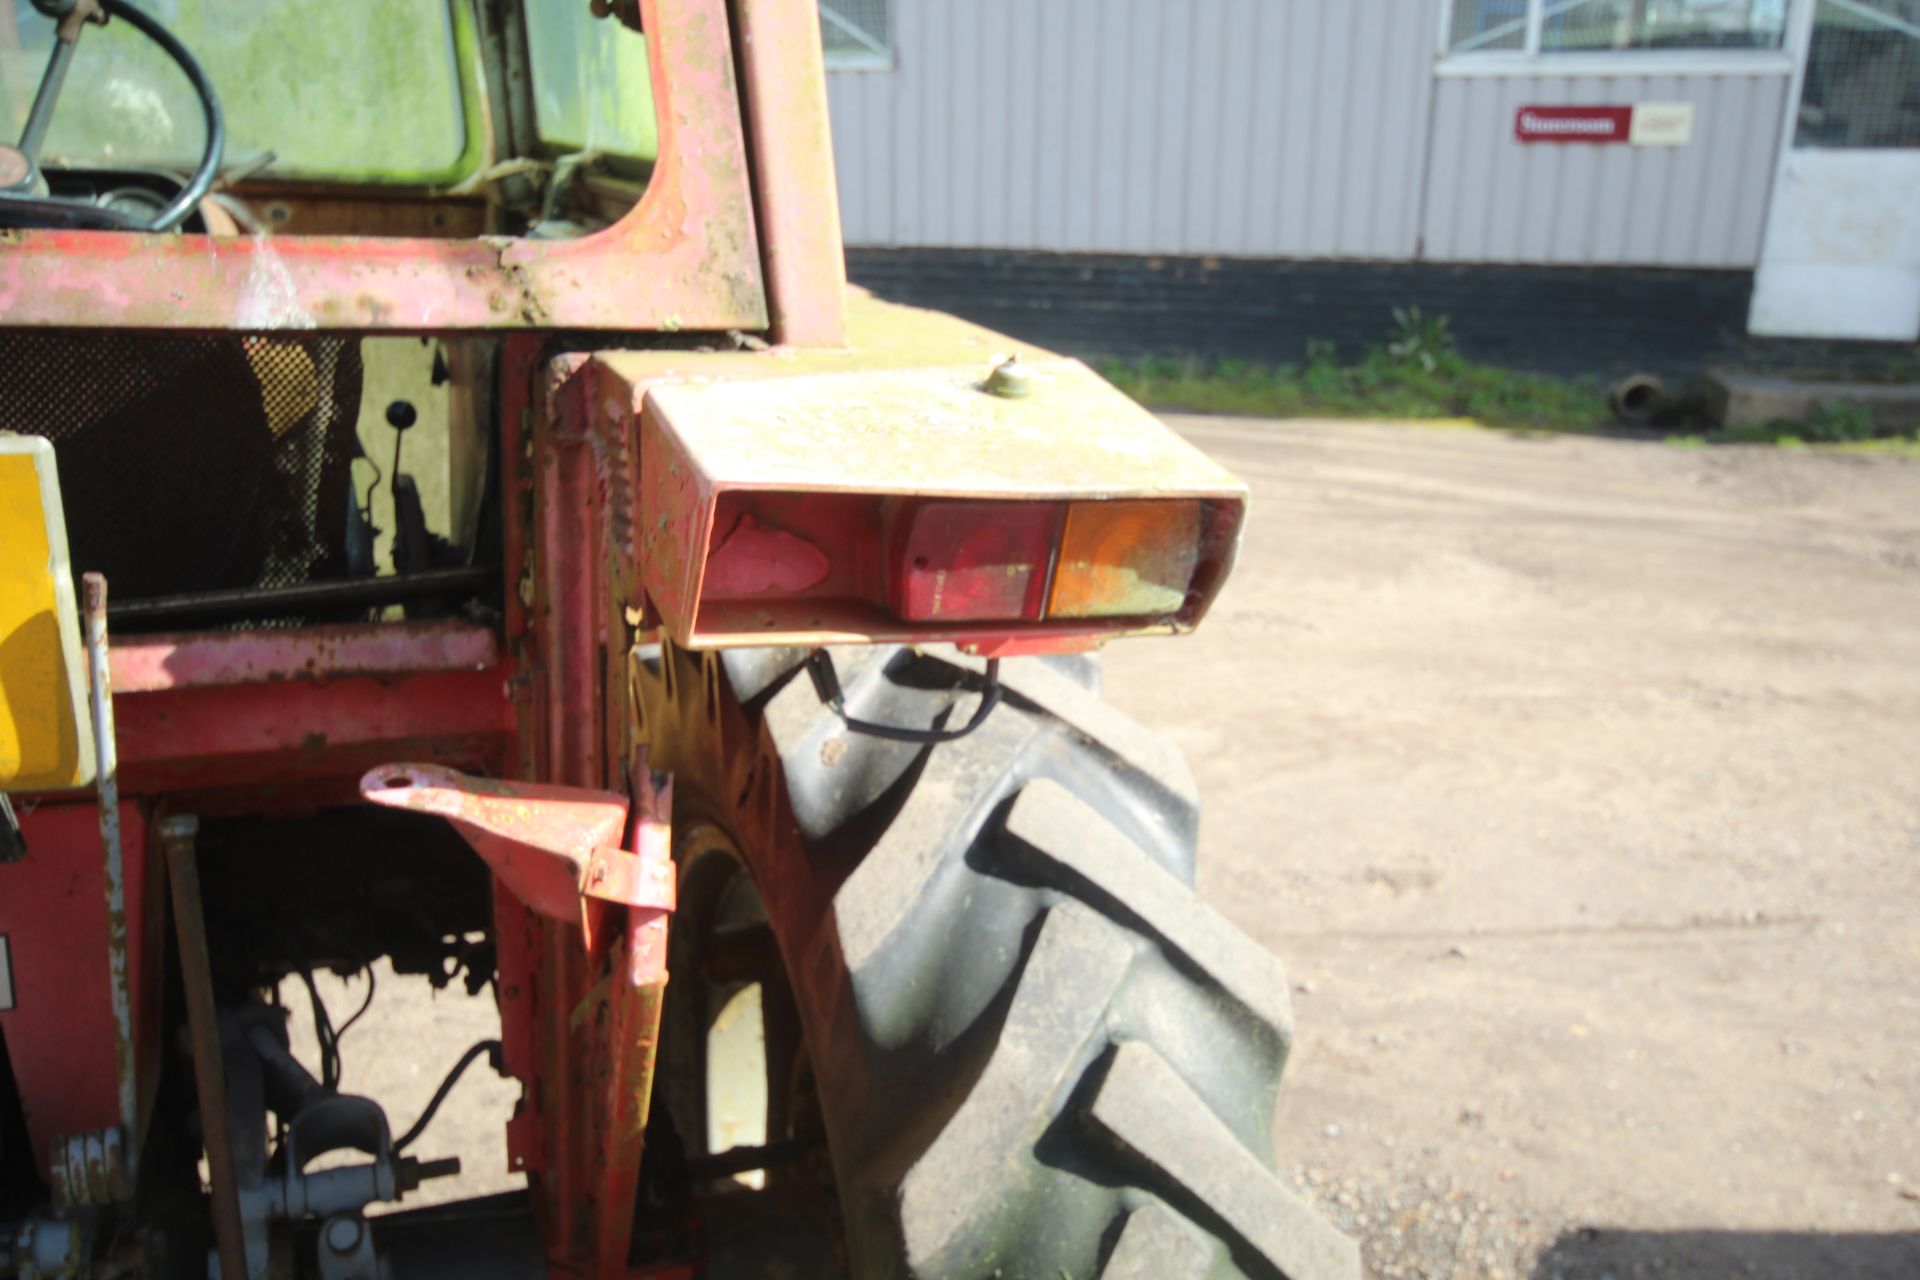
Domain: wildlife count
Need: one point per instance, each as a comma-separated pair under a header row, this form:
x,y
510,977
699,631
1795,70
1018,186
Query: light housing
x,y
911,505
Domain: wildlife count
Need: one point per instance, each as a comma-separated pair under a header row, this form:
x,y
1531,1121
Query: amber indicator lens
x,y
1126,559
972,561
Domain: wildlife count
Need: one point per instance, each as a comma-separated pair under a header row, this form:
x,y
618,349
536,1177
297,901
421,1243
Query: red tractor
x,y
667,613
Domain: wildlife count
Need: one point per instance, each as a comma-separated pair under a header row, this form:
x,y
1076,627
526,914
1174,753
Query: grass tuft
x,y
1417,374
1418,378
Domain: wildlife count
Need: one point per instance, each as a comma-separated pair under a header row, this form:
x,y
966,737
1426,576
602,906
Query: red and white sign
x,y
1574,124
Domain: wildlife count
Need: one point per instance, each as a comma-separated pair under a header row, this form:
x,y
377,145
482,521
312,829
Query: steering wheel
x,y
24,201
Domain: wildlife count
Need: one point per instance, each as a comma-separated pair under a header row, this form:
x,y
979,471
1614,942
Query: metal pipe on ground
x,y
1639,400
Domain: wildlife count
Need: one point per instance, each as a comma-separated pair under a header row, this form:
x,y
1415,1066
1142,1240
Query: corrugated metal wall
x,y
1260,128
1491,198
1271,128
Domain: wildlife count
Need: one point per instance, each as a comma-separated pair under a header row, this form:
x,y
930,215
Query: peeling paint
x,y
269,299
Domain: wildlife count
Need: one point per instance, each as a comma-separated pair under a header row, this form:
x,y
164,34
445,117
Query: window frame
x,y
855,60
1532,60
686,257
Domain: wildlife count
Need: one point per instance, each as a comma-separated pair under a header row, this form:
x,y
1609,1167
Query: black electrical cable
x,y
826,684
188,200
328,1036
365,1004
489,1047
323,1032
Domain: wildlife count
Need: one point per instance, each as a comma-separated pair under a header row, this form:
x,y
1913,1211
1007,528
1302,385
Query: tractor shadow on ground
x,y
1592,1253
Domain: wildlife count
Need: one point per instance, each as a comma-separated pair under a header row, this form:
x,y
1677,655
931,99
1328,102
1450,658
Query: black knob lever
x,y
401,414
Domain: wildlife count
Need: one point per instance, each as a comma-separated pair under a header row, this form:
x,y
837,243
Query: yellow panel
x,y
46,738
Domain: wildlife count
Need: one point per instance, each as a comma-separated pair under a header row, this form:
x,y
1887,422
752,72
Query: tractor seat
x,y
193,462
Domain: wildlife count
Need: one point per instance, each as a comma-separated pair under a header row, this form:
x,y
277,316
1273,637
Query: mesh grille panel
x,y
192,462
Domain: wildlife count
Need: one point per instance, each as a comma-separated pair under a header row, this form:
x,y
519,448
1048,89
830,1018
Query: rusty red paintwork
x,y
216,737
626,1057
149,664
785,90
522,357
60,1033
561,850
579,1027
683,258
517,931
213,711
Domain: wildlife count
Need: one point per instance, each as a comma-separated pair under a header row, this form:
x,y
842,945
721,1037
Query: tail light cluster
x,y
949,568
910,504
1034,561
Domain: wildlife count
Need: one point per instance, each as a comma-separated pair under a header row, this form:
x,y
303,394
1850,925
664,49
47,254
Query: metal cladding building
x,y
1581,184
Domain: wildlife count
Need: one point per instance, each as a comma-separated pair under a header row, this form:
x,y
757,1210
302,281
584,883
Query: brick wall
x,y
1603,322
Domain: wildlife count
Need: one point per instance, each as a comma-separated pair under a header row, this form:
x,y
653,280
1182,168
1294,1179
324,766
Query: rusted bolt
x,y
1010,380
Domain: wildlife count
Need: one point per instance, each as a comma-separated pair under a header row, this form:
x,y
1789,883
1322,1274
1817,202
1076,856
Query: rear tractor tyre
x,y
1036,1053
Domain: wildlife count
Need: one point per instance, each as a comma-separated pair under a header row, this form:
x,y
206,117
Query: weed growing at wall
x,y
1426,379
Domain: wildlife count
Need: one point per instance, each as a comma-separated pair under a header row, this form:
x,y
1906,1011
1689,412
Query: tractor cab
x,y
263,457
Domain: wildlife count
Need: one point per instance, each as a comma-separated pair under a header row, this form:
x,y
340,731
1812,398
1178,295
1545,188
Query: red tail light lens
x,y
972,561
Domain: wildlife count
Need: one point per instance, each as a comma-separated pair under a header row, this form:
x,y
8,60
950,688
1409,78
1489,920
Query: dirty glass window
x,y
1863,76
368,90
1598,26
857,33
1489,24
592,90
1585,25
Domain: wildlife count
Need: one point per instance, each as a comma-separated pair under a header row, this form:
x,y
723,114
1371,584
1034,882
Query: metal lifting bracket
x,y
563,851
576,856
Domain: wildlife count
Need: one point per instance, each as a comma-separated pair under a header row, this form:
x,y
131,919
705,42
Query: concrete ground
x,y
1575,781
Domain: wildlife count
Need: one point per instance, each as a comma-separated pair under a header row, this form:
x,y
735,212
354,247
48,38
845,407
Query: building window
x,y
1863,76
857,33
1550,27
1489,24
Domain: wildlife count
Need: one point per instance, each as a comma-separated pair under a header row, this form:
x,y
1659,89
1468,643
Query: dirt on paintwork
x,y
1577,782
